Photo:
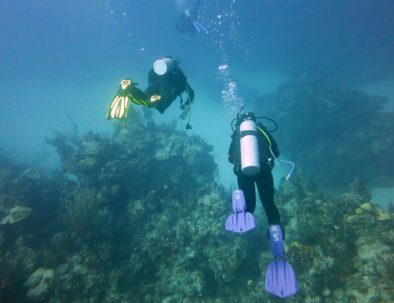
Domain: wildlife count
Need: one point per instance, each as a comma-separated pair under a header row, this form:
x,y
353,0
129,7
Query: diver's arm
x,y
190,92
181,83
273,146
231,150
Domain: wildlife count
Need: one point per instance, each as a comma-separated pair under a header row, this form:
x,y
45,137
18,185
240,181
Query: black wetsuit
x,y
169,86
263,179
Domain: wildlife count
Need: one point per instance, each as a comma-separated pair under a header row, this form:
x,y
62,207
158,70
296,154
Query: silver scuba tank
x,y
250,157
163,65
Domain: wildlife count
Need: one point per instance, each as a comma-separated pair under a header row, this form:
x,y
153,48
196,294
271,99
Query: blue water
x,y
60,58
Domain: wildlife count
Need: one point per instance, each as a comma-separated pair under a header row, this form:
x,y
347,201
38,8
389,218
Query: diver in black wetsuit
x,y
264,180
187,23
166,82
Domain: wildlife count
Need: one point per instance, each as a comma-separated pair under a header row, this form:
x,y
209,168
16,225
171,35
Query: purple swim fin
x,y
240,221
280,279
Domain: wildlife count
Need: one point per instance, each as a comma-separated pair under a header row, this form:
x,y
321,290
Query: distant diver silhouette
x,y
188,24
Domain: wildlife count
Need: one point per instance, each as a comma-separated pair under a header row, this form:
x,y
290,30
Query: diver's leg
x,y
265,186
246,184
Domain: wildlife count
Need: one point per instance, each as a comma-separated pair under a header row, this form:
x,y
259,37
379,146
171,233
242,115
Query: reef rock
x,y
32,174
38,284
16,214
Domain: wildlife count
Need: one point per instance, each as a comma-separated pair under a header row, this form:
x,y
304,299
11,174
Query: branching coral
x,y
81,210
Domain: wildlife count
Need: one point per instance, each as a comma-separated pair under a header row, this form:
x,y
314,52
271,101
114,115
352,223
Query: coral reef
x,y
337,244
342,129
139,217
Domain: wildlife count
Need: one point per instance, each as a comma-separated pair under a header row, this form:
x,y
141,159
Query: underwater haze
x,y
67,57
97,210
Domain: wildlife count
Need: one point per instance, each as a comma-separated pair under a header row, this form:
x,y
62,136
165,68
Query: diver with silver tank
x,y
253,152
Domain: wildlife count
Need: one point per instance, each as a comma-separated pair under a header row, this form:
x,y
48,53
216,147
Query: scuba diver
x,y
253,152
187,23
257,170
166,82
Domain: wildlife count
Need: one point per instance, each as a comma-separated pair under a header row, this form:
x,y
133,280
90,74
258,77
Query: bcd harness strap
x,y
247,133
254,133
